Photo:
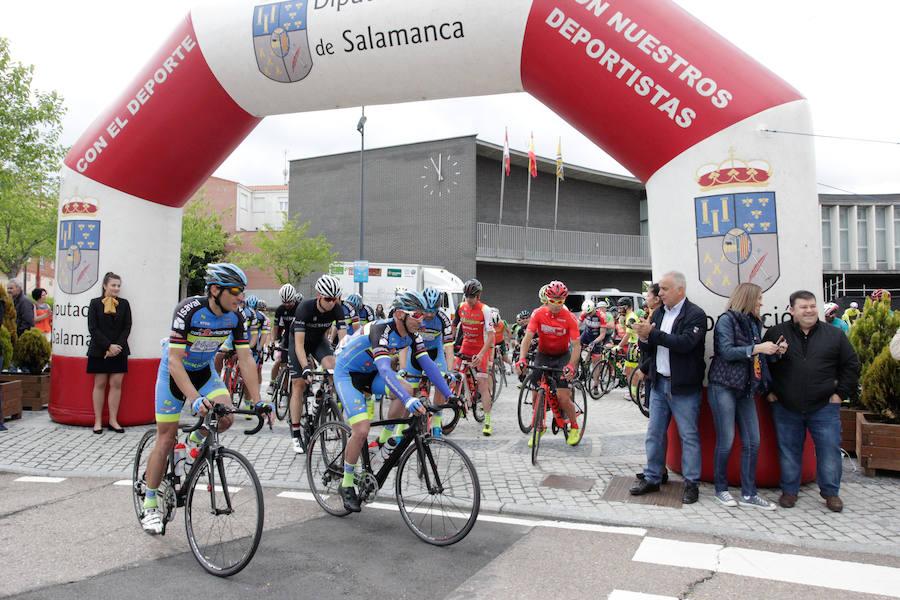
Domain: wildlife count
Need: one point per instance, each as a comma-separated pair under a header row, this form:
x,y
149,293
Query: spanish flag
x,y
532,159
559,162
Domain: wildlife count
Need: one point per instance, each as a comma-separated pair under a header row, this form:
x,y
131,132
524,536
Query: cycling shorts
x,y
319,353
500,347
437,355
170,399
558,361
351,389
482,368
631,356
587,338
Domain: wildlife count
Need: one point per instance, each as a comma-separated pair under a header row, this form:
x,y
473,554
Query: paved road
x,y
79,538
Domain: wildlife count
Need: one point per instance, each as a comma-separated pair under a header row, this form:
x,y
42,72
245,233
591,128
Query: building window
x,y
844,235
881,236
283,205
242,202
826,236
896,235
259,204
862,236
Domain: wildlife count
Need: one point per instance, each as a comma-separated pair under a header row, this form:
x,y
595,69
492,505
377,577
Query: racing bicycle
x,y
545,400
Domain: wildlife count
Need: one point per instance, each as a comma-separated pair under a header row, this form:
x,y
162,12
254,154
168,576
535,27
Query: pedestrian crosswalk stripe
x,y
37,479
790,568
626,595
123,482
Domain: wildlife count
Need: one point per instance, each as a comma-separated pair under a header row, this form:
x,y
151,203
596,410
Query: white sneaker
x,y
756,501
298,445
726,499
152,521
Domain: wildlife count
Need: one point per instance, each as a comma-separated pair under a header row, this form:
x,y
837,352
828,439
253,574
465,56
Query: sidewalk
x,y
613,446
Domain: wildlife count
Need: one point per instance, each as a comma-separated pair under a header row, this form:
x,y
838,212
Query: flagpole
x,y
556,204
500,218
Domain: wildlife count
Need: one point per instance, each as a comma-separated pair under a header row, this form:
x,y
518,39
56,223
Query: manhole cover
x,y
566,482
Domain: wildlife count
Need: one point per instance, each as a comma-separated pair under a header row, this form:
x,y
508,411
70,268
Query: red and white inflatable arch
x,y
671,100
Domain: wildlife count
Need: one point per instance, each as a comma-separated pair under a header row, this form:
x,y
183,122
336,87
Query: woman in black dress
x,y
109,323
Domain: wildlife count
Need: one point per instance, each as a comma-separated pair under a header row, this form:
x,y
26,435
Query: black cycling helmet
x,y
523,314
472,288
624,302
410,301
225,274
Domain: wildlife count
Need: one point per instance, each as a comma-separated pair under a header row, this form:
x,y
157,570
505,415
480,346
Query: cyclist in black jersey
x,y
284,318
312,320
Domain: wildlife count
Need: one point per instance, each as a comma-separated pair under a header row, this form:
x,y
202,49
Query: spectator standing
x,y
24,307
817,370
109,323
43,312
379,312
674,341
737,374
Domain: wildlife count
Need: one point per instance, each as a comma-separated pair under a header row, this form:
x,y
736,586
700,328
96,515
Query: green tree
x,y
881,386
288,254
873,331
30,159
203,241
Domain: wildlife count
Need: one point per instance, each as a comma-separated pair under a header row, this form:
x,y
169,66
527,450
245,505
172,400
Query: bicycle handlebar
x,y
220,410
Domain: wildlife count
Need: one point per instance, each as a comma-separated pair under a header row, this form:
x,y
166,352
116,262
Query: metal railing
x,y
549,246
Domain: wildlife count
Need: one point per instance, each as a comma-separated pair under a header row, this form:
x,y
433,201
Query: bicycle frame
x,y
548,384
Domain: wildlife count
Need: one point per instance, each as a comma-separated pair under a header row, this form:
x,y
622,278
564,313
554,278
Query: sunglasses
x,y
234,290
416,315
324,299
556,301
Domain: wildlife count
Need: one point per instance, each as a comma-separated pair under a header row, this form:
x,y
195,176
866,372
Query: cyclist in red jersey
x,y
475,320
558,347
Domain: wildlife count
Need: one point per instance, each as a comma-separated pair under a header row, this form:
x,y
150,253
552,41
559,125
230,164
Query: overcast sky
x,y
838,54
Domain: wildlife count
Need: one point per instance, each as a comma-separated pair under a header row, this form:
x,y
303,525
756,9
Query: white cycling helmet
x,y
603,305
328,286
854,305
830,309
287,292
587,306
542,293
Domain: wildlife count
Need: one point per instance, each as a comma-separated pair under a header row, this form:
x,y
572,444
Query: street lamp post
x,y
361,128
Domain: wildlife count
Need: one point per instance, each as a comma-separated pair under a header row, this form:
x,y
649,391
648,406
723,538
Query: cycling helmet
x,y
557,290
623,302
432,298
603,304
495,312
523,314
878,294
328,286
251,301
587,306
854,305
225,274
542,293
410,301
288,293
261,305
830,309
472,287
399,290
354,300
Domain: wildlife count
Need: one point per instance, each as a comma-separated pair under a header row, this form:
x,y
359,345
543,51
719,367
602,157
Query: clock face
x,y
441,175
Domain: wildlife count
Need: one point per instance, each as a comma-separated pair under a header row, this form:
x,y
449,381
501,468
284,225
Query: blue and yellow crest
x,y
280,41
737,241
77,255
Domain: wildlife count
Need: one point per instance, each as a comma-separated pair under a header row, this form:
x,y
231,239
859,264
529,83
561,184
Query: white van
x,y
609,295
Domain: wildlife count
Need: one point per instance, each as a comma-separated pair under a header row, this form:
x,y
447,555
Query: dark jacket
x,y
107,329
732,364
686,346
814,367
24,313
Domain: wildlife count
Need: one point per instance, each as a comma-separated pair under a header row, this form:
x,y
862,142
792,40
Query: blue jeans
x,y
686,410
728,404
824,426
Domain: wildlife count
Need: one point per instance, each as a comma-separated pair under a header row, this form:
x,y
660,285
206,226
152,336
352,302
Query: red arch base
x,y
768,471
70,392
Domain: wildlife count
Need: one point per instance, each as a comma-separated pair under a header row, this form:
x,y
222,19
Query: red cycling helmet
x,y
877,294
557,290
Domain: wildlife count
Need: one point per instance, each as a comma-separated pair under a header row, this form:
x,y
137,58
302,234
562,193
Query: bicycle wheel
x,y
526,408
223,513
538,423
595,391
238,394
478,408
329,411
495,382
325,466
384,405
139,472
282,397
438,492
641,396
579,399
600,373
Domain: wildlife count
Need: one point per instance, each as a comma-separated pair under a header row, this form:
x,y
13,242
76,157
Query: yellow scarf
x,y
109,305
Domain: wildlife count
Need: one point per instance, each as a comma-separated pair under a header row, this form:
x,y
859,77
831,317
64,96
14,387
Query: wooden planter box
x,y
35,389
877,444
11,400
848,428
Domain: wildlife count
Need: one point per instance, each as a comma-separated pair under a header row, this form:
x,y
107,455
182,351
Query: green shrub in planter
x,y
872,332
9,317
6,345
32,351
881,387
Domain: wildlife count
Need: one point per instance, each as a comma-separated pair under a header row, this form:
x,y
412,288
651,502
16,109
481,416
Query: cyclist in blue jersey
x,y
364,366
351,312
437,333
199,326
